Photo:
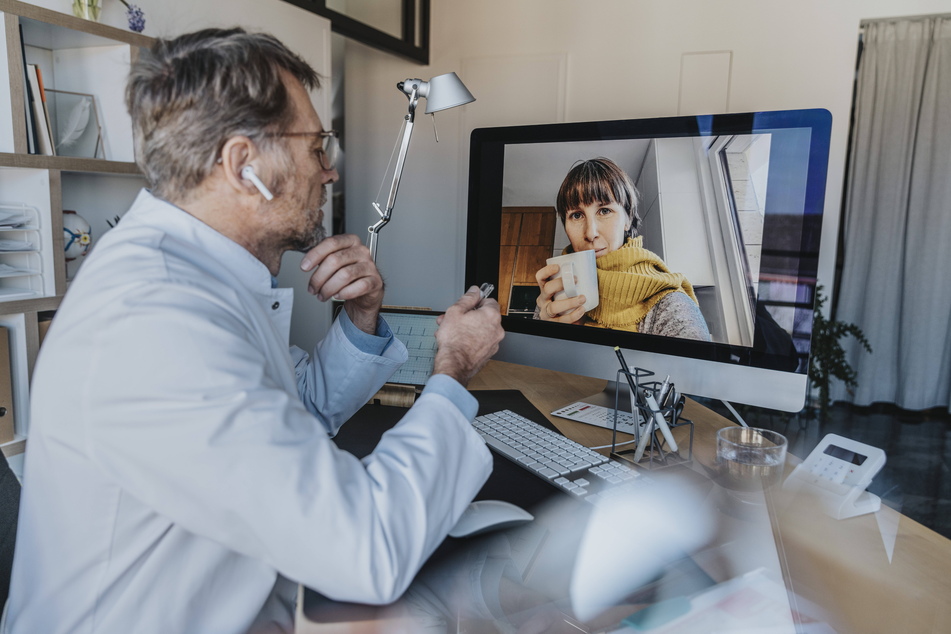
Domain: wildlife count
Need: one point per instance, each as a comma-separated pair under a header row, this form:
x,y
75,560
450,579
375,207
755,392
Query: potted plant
x,y
827,358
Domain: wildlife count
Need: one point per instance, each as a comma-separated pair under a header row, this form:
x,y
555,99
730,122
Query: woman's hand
x,y
565,311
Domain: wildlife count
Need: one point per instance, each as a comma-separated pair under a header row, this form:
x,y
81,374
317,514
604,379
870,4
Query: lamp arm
x,y
386,212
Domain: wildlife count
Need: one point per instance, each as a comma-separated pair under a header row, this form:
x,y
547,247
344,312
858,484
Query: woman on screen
x,y
597,205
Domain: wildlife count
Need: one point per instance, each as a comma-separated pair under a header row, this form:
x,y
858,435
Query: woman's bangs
x,y
591,190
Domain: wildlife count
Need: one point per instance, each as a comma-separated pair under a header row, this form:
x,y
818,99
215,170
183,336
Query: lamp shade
x,y
446,91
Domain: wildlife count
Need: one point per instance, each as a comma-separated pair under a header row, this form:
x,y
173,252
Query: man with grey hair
x,y
180,475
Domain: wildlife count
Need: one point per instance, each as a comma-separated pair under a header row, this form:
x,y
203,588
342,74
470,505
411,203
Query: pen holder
x,y
654,447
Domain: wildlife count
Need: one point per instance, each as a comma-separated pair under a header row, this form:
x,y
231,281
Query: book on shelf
x,y
40,120
46,108
31,141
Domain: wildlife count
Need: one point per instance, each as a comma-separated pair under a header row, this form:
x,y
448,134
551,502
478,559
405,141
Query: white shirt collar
x,y
178,223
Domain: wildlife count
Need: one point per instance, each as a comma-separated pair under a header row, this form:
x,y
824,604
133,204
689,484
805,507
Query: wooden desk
x,y
840,565
549,390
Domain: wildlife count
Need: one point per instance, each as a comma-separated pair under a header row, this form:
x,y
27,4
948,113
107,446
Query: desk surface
x,y
841,565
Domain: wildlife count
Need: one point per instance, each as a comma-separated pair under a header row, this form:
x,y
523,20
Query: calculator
x,y
597,415
837,471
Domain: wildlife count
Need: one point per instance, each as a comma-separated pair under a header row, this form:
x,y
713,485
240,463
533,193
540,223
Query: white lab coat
x,y
175,479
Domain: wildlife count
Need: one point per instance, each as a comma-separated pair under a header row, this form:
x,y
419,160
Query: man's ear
x,y
242,166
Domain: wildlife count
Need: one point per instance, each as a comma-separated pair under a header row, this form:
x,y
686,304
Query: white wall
x,y
575,61
305,33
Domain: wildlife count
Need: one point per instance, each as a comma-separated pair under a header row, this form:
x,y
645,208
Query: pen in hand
x,y
485,290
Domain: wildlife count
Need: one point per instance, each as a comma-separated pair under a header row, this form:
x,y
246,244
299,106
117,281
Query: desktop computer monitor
x,y
730,214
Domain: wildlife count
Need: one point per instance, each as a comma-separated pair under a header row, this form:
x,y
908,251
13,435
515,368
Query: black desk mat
x,y
508,481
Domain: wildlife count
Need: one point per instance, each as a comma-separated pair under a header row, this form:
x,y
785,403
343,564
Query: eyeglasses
x,y
327,154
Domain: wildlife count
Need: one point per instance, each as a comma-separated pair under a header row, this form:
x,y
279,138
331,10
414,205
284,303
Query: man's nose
x,y
331,176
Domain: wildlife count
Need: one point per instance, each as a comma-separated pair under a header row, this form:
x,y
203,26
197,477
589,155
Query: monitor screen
x,y
705,234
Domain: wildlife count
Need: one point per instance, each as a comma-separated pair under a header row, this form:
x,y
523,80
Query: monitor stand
x,y
735,413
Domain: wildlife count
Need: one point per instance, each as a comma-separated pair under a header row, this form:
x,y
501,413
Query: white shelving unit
x,y
78,56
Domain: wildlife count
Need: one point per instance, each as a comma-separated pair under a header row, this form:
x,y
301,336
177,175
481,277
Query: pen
x,y
671,397
627,370
485,290
662,394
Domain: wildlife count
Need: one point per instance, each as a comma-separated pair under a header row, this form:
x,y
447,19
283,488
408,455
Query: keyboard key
x,y
502,447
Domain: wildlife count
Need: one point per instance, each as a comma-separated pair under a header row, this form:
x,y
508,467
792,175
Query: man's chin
x,y
318,236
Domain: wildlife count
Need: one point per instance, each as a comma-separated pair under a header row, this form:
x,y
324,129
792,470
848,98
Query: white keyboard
x,y
571,466
596,415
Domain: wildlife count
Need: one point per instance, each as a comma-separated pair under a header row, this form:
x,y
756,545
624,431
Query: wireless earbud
x,y
248,173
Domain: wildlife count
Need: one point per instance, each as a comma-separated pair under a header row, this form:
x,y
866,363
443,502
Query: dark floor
x,y
916,478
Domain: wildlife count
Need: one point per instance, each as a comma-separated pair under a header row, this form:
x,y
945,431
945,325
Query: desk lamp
x,y
441,93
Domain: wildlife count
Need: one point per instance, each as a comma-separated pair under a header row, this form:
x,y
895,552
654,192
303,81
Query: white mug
x,y
579,273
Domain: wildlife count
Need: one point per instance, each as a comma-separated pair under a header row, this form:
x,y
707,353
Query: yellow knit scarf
x,y
631,280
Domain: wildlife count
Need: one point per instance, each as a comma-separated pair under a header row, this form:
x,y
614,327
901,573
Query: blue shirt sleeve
x,y
370,344
441,384
445,385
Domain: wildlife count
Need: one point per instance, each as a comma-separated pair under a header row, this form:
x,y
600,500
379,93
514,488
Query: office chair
x,y
9,508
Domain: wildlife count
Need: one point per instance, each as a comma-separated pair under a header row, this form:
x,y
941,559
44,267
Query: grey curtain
x,y
896,278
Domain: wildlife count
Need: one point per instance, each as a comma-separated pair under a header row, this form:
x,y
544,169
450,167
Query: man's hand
x,y
343,269
468,336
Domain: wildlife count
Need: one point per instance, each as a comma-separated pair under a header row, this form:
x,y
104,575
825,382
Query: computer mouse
x,y
489,515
